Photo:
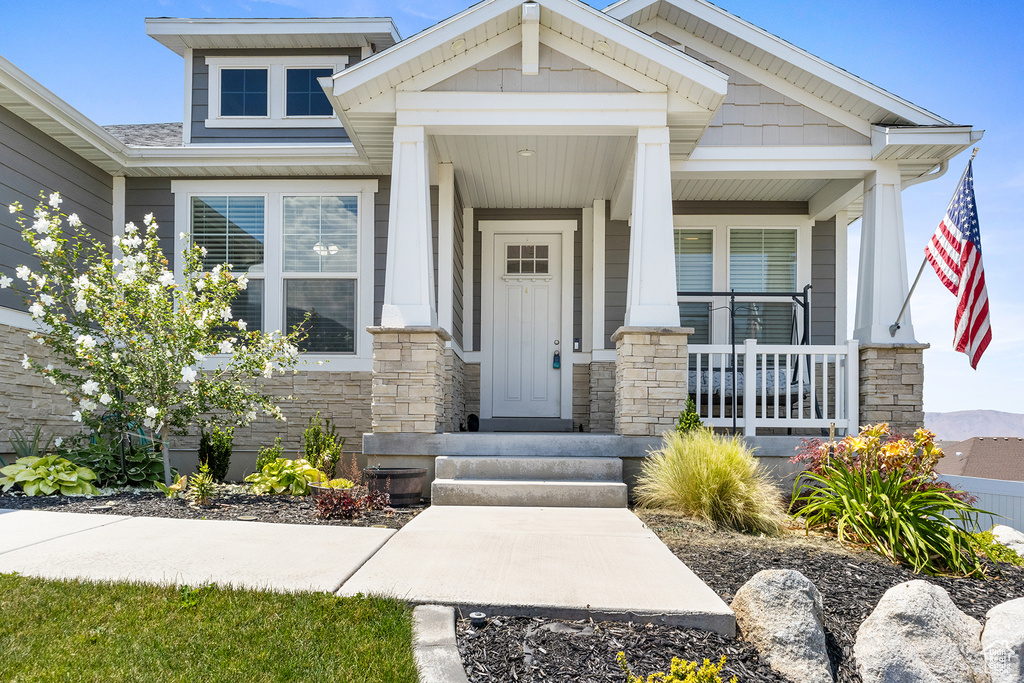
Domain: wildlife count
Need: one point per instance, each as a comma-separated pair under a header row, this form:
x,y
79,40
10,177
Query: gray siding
x,y
823,282
31,161
381,208
616,272
201,100
457,264
152,195
738,208
527,214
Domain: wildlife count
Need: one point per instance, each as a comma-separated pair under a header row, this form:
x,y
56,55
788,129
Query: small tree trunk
x,y
165,451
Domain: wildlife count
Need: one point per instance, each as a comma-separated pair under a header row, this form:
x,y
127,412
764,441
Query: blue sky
x,y
966,65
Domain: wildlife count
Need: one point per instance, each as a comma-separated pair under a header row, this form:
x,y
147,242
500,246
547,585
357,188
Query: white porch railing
x,y
775,386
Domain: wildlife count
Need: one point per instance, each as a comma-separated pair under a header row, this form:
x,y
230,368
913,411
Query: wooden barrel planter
x,y
403,484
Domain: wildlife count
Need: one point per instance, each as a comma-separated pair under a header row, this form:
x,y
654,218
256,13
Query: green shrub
x,y
985,543
46,475
322,445
201,487
269,454
892,513
142,467
215,451
284,476
689,419
681,671
715,478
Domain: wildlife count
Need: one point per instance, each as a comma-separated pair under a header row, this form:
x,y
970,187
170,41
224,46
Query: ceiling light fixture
x,y
458,44
526,152
602,47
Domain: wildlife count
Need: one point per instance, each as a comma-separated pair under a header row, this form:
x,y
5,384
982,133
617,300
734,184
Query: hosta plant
x,y
284,476
46,475
138,466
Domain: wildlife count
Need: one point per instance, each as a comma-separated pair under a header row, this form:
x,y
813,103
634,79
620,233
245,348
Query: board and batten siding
x,y
152,195
201,100
31,161
457,265
754,114
616,275
823,283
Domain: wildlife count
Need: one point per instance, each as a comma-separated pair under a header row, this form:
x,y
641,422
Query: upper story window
x,y
271,92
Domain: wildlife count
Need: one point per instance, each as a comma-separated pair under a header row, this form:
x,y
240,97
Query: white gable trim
x,y
788,52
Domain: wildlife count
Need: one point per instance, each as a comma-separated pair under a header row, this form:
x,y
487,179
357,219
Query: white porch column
x,y
409,279
882,271
651,286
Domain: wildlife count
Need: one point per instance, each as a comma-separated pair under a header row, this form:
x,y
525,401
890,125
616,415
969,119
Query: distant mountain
x,y
964,424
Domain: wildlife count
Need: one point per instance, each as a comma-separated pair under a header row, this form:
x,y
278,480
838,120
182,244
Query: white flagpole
x,y
906,302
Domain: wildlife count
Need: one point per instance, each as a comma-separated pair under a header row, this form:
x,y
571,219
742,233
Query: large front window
x,y
303,246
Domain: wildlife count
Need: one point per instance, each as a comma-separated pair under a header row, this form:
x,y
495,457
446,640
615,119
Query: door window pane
x,y
693,260
762,260
305,97
243,92
320,234
332,308
231,229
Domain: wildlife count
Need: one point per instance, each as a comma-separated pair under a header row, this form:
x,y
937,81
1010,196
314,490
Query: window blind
x,y
694,261
231,229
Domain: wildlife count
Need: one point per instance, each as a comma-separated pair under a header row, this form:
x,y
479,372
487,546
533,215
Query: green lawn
x,y
82,631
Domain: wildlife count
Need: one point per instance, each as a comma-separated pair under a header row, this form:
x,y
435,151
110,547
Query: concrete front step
x,y
530,468
526,493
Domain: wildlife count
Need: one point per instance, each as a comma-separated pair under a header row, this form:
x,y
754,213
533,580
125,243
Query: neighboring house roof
x,y
984,457
147,134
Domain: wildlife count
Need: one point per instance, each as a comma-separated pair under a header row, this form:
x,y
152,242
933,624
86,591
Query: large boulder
x,y
1003,642
1010,537
917,635
779,612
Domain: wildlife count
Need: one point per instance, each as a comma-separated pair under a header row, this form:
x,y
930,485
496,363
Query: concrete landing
x,y
280,557
557,562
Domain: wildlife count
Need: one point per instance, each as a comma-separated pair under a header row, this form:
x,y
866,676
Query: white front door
x,y
527,319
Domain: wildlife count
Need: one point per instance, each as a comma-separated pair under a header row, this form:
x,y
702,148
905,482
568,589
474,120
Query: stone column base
x,y
650,378
409,380
892,385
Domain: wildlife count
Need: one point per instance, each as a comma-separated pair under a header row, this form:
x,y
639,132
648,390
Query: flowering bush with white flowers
x,y
131,338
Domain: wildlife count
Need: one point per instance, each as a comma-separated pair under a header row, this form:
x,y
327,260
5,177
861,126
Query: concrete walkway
x,y
281,557
559,562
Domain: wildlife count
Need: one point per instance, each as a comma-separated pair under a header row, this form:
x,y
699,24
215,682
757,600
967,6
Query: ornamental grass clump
x,y
880,493
714,478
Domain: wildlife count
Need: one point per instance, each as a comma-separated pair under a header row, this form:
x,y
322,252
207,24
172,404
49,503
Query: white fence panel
x,y
998,496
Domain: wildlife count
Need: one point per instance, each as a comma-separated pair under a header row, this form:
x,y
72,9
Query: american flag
x,y
955,253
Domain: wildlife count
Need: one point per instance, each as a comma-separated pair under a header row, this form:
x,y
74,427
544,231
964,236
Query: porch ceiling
x,y
746,189
565,172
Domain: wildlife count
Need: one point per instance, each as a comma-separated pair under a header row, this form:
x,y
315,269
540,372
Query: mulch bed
x,y
851,583
274,509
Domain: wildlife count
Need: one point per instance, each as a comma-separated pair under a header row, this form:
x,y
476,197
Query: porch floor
x,y
558,562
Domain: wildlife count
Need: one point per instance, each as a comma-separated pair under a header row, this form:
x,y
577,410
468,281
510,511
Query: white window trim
x,y
721,225
273,267
276,91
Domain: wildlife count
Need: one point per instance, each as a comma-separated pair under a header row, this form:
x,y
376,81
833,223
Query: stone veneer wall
x,y
454,391
602,397
27,400
892,385
472,389
650,378
580,397
408,379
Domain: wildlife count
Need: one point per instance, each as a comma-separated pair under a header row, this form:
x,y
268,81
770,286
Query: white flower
x,y
47,245
90,387
225,346
88,405
166,278
58,441
147,219
133,241
215,272
41,281
148,423
202,250
225,315
291,350
154,290
36,310
198,356
188,374
250,416
23,272
12,208
74,221
200,283
127,276
25,362
41,225
55,200
80,304
46,299
86,341
77,416
80,282
182,235
130,229
5,282
106,398
241,325
151,412
268,370
243,282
